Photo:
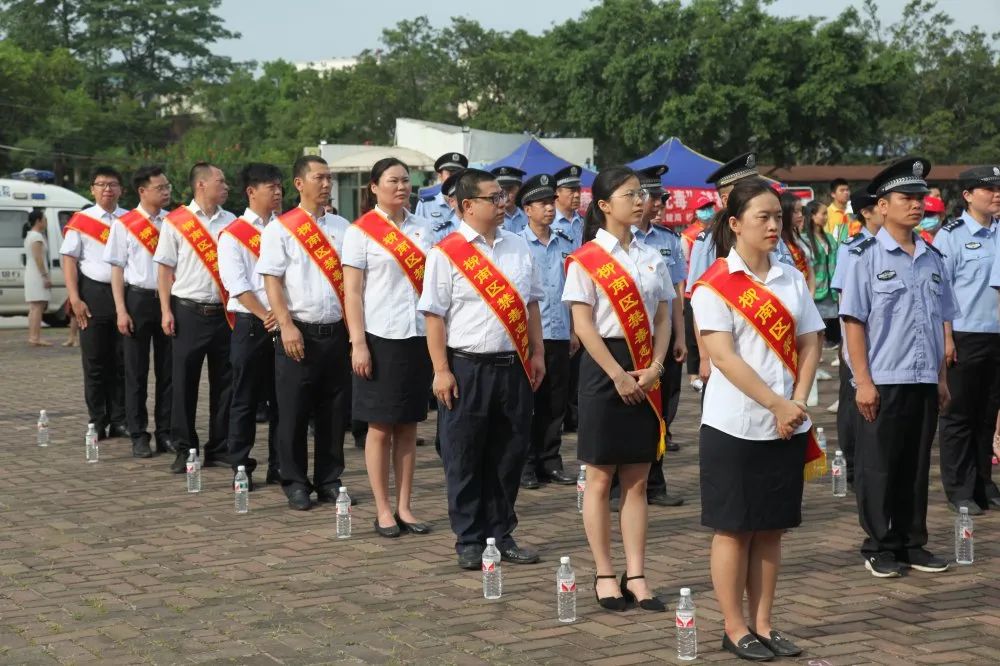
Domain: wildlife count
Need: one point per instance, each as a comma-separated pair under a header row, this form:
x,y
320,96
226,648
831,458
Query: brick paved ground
x,y
115,562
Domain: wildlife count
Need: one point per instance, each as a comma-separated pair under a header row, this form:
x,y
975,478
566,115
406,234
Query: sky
x,y
337,28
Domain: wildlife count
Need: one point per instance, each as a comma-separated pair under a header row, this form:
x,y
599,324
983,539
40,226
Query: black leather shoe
x,y
569,427
328,496
748,648
262,415
179,465
421,441
993,502
973,507
140,448
609,603
652,604
664,499
470,557
165,445
529,479
673,446
779,645
359,441
298,499
214,461
391,532
416,528
560,477
273,476
118,430
519,555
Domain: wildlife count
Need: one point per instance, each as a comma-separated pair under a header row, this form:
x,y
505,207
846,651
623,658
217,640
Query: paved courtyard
x,y
115,563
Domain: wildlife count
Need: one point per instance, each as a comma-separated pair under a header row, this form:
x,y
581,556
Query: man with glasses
x,y
130,252
88,281
484,333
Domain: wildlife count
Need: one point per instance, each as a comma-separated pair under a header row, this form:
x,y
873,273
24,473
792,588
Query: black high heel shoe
x,y
610,603
652,604
415,528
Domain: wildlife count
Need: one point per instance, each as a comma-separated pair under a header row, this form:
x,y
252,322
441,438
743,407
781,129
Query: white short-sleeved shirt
x,y
472,326
726,408
125,251
390,301
643,263
90,251
237,264
308,292
191,279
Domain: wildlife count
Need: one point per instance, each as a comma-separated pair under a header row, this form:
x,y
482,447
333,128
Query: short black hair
x,y
258,173
467,186
837,182
301,165
198,171
35,215
143,174
108,172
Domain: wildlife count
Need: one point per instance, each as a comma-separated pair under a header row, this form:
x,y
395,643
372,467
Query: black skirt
x,y
400,383
611,432
749,485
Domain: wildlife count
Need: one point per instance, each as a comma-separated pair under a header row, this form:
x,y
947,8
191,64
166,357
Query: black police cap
x,y
508,175
649,178
860,199
452,162
905,175
450,183
735,169
981,176
568,176
536,188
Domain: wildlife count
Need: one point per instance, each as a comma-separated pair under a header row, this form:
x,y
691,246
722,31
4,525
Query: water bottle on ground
x,y
566,591
241,487
492,576
343,514
838,473
821,439
687,632
963,536
43,428
193,471
581,485
91,443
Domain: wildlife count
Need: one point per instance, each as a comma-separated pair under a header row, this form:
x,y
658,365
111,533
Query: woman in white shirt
x,y
754,421
37,286
618,429
383,267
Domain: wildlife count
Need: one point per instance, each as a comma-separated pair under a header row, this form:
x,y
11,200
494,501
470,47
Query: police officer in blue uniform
x,y
896,298
568,218
514,219
434,206
444,224
549,249
972,345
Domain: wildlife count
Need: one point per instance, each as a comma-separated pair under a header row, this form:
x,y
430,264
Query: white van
x,y
17,199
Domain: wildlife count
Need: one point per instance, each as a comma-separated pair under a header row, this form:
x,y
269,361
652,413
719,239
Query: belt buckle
x,y
506,361
324,329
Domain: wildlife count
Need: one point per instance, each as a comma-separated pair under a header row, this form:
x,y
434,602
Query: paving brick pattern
x,y
116,563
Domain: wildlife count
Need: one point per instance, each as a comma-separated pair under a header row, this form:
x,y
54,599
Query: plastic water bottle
x,y
566,591
581,485
821,439
241,488
687,632
963,537
91,443
193,471
343,514
492,576
43,428
838,473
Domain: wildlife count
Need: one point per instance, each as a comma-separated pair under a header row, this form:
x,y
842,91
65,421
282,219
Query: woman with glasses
x,y
618,290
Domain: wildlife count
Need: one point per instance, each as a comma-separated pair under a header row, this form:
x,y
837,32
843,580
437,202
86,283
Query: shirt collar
x,y
532,237
890,244
471,234
253,218
735,263
151,218
977,229
607,241
571,220
406,216
197,210
643,235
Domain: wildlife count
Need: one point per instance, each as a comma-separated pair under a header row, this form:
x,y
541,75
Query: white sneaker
x,y
697,385
835,363
834,407
823,375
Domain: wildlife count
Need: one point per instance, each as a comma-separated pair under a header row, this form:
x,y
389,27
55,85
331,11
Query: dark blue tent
x,y
688,168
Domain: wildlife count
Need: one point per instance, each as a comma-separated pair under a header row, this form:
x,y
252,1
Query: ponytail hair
x,y
607,181
740,197
368,198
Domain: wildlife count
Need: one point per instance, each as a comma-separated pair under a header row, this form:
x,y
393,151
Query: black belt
x,y
141,290
207,309
500,358
247,315
320,330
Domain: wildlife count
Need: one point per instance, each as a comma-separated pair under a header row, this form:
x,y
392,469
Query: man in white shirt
x,y
88,282
192,310
130,252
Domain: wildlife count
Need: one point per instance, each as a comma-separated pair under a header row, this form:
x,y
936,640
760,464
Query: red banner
x,y
246,234
90,226
143,230
303,228
198,237
401,247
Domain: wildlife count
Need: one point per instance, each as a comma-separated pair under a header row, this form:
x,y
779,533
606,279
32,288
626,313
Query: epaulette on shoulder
x,y
441,225
562,234
427,197
851,239
863,245
701,235
951,225
672,231
937,251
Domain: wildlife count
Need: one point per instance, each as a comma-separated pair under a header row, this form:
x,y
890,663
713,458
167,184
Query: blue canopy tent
x,y
688,168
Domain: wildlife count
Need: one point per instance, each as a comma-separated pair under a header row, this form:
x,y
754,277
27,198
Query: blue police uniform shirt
x,y
515,223
903,302
443,227
703,256
969,250
837,281
571,226
668,244
550,262
995,272
435,209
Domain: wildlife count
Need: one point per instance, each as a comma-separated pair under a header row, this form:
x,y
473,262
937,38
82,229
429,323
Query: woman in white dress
x,y
37,287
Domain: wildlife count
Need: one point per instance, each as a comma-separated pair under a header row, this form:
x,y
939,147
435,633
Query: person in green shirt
x,y
824,261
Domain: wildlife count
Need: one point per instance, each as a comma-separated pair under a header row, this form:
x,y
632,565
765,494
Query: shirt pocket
x,y
935,292
978,262
889,296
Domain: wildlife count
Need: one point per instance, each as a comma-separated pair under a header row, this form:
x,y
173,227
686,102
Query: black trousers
x,y
693,357
143,307
847,415
200,336
251,355
893,463
967,426
484,441
317,387
101,352
550,402
572,417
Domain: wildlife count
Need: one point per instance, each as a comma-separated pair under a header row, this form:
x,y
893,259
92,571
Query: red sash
x,y
144,231
407,254
623,294
799,257
246,234
304,229
494,288
767,315
194,232
90,226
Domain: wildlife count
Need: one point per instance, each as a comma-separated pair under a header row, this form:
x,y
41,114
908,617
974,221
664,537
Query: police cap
x,y
649,178
448,186
982,176
536,188
860,199
905,175
735,169
568,176
507,175
451,162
